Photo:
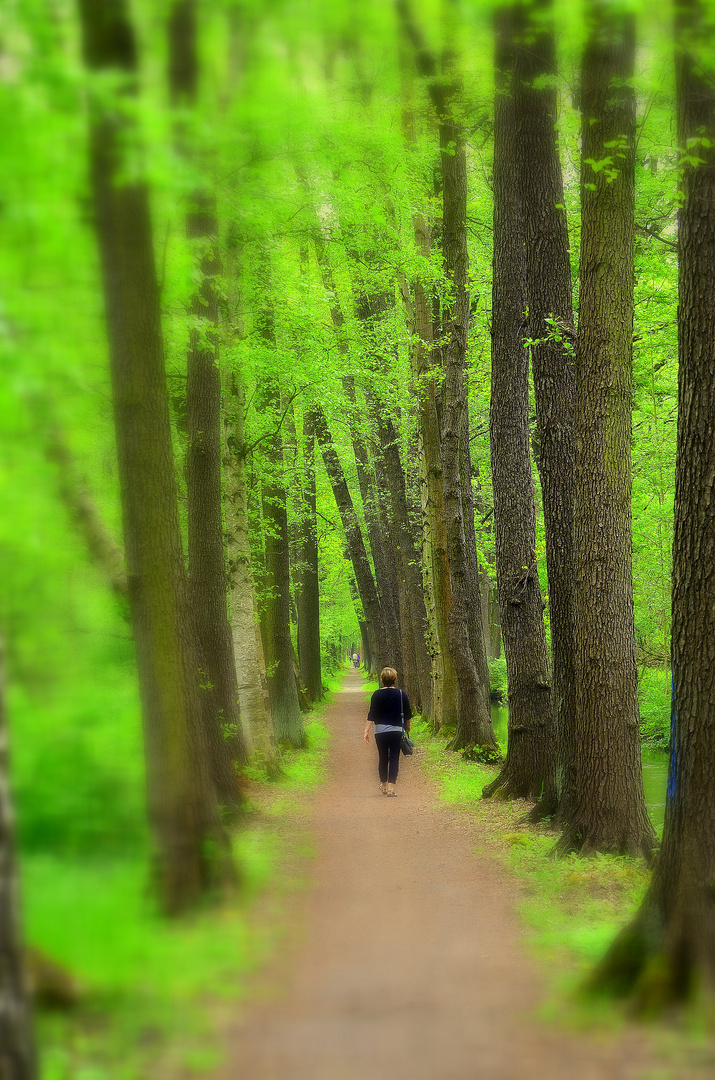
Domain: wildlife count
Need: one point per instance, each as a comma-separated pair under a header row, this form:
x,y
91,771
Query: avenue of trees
x,y
339,326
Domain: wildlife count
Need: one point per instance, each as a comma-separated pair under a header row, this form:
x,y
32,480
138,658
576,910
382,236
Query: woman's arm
x,y
366,734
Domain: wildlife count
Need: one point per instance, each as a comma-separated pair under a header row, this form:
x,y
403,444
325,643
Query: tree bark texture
x,y
275,616
473,730
549,297
435,560
254,701
18,1059
529,764
309,589
667,953
477,638
181,799
605,810
207,563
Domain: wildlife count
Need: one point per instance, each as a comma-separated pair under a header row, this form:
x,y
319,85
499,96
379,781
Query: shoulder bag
x,y
406,745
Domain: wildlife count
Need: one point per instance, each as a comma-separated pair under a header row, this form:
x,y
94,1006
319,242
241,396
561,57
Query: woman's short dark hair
x,y
388,676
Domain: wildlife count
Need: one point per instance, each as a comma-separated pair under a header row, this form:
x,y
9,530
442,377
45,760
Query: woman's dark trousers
x,y
388,748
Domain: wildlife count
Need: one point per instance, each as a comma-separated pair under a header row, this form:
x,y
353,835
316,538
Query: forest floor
x,y
405,958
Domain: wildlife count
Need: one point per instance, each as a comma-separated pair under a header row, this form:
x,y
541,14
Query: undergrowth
x,y
573,906
151,989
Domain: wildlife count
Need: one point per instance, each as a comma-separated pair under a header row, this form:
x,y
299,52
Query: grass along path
x,y
154,993
409,959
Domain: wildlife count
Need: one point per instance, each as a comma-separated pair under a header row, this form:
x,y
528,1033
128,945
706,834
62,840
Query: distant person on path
x,y
356,660
390,713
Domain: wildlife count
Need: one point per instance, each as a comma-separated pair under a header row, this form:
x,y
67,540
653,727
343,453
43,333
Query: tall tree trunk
x,y
444,677
529,762
275,617
549,297
435,568
379,650
309,589
473,730
605,808
667,953
18,1060
294,504
411,573
473,727
384,568
477,638
207,564
181,798
255,708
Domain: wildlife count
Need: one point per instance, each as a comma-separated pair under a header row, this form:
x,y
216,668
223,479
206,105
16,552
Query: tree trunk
x,y
181,798
477,639
411,574
529,764
309,591
668,951
255,709
384,571
473,730
207,564
549,297
444,677
379,651
605,809
17,1045
294,503
275,617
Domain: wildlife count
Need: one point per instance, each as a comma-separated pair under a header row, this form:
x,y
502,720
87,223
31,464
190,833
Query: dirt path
x,y
411,964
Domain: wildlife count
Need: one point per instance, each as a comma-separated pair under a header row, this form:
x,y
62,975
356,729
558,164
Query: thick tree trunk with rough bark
x,y
207,564
181,798
253,698
667,953
308,598
17,1045
549,297
529,764
605,810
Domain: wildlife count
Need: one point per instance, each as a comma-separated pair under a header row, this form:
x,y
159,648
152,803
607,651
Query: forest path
x,y
410,963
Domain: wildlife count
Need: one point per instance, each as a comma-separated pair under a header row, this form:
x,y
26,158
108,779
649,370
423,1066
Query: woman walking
x,y
390,714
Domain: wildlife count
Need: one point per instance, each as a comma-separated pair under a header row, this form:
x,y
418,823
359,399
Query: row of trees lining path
x,y
217,693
